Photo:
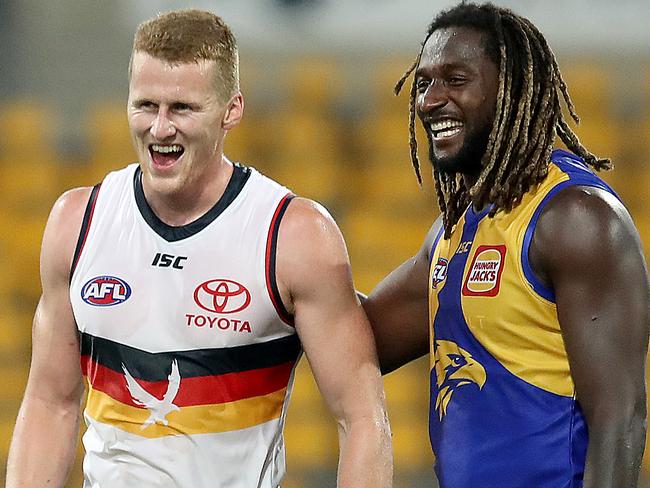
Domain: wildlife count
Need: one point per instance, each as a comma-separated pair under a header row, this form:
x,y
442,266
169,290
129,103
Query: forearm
x,y
615,452
44,444
366,457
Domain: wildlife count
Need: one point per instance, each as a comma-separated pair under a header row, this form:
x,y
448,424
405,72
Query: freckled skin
x,y
178,104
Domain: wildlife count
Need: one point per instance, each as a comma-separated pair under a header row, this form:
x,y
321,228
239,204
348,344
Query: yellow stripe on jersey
x,y
518,327
200,419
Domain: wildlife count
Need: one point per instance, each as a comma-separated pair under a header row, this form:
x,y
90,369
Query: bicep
x,y
330,321
55,372
601,287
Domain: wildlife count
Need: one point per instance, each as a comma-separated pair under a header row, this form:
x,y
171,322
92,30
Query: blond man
x,y
182,290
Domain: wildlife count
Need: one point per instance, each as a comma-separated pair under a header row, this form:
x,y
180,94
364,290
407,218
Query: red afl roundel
x,y
104,291
222,296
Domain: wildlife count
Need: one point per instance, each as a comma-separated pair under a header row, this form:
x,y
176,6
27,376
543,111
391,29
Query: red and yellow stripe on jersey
x,y
220,389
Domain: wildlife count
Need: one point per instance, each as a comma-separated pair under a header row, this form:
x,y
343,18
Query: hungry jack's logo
x,y
484,276
455,368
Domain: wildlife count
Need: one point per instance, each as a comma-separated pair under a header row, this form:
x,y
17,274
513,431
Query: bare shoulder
x,y
312,258
68,211
303,214
307,228
582,225
63,228
434,231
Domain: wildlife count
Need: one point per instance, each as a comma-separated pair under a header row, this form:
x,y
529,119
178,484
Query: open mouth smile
x,y
164,155
445,129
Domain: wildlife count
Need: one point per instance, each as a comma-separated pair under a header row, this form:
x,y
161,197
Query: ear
x,y
234,112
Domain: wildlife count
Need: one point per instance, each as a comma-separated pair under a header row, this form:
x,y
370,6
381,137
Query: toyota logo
x,y
222,296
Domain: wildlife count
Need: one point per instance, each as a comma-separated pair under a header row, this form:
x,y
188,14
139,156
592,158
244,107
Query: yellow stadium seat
x,y
589,84
642,221
306,156
28,131
306,400
386,74
29,186
6,430
242,144
383,236
407,393
21,239
15,332
602,136
378,242
14,373
75,174
366,276
313,83
407,390
109,139
310,444
411,446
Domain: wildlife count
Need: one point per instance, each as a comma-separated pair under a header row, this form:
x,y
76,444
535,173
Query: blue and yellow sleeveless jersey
x,y
503,410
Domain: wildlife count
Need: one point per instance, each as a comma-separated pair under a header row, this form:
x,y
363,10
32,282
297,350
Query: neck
x,y
196,196
469,180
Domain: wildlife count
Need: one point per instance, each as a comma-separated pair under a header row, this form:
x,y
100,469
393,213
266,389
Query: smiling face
x,y
178,122
457,86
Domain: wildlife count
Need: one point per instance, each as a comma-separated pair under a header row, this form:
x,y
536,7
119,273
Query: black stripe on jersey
x,y
271,248
193,363
170,233
85,227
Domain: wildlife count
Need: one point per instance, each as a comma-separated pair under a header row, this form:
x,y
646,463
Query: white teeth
x,y
447,133
445,124
166,149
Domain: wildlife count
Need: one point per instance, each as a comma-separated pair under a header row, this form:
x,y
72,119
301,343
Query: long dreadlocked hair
x,y
528,116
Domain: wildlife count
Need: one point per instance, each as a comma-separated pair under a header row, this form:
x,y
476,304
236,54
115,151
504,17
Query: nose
x,y
162,127
434,97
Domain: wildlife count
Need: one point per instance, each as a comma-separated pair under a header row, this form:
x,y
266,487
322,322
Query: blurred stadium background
x,y
320,117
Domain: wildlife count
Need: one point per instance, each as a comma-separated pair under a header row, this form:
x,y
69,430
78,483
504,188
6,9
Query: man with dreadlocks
x,y
537,297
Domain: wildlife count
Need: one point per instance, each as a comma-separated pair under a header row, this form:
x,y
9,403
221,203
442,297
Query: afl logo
x,y
222,296
439,272
105,291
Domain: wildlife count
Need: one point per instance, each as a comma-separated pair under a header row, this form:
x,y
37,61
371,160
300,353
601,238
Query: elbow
x,y
622,420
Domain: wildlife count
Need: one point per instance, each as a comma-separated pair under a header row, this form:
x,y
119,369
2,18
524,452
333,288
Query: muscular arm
x,y
585,246
398,309
316,283
44,440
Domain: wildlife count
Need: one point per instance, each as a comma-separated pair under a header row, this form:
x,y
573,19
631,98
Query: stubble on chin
x,y
468,159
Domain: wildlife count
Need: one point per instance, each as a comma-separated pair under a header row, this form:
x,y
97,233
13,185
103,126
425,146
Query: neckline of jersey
x,y
172,233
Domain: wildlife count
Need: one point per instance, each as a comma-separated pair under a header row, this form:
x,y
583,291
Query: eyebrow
x,y
446,67
141,100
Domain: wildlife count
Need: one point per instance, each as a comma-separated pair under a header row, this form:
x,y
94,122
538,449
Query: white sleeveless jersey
x,y
187,350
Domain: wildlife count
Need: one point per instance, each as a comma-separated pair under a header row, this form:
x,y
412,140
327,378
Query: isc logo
x,y
168,260
104,291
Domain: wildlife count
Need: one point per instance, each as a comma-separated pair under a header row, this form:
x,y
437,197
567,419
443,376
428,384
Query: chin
x,y
446,164
162,184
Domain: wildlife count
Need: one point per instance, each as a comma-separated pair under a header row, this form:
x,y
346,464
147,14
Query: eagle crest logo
x,y
158,409
455,368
